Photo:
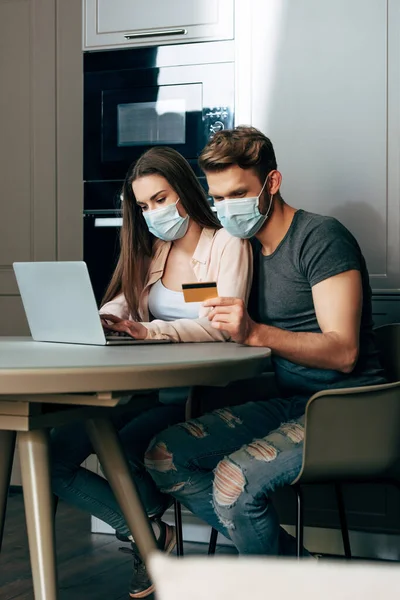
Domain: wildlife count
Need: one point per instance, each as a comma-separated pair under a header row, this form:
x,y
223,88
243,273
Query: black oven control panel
x,y
216,119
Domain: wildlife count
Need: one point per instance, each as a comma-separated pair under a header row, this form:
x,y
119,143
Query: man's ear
x,y
274,182
272,187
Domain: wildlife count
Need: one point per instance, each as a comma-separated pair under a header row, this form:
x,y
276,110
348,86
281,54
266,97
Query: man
x,y
311,305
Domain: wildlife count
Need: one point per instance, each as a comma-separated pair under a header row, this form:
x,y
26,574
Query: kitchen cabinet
x,y
127,23
370,508
27,172
385,309
325,87
40,142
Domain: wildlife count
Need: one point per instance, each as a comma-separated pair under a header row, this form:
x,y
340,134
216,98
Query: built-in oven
x,y
102,222
135,99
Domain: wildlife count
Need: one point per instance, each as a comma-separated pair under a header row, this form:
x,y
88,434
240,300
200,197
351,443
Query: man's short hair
x,y
244,146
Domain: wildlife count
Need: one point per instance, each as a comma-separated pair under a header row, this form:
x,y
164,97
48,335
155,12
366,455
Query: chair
x,y
355,416
351,436
257,577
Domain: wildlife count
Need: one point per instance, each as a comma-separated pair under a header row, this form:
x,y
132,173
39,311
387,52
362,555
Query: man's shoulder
x,y
314,226
312,220
325,247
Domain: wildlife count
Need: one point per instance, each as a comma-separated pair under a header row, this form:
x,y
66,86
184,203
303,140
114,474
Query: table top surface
x,y
131,367
24,353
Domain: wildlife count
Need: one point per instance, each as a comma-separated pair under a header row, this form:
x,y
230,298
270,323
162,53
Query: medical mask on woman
x,y
166,223
242,217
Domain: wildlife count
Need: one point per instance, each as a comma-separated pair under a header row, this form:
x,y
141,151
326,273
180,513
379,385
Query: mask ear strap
x,y
269,207
262,189
271,198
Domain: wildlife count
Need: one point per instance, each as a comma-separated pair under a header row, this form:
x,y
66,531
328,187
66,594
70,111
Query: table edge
x,y
127,377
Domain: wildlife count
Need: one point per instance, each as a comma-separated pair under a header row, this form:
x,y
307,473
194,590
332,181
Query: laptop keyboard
x,y
117,335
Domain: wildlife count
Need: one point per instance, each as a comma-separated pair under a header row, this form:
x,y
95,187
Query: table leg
x,y
35,470
110,454
7,446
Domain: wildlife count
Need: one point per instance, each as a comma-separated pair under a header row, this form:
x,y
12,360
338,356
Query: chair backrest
x,y
223,578
352,434
388,340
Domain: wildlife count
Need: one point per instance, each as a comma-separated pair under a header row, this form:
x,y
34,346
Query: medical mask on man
x,y
166,223
242,217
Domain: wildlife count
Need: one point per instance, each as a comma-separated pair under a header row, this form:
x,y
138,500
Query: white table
x,y
44,385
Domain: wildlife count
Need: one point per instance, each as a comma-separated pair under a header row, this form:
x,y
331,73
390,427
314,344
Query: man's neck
x,y
188,243
276,227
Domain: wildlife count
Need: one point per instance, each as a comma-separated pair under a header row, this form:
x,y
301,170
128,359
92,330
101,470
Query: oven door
x,y
131,110
101,247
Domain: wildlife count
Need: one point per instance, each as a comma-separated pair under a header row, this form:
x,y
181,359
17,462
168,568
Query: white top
x,y
168,305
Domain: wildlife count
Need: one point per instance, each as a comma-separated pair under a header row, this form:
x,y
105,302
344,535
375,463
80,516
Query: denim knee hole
x,y
159,458
194,428
229,483
293,430
227,416
262,450
176,487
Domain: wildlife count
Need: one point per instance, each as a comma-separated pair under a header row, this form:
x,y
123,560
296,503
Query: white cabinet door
x,y
326,90
126,23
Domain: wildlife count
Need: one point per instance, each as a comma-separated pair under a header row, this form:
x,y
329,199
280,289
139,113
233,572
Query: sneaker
x,y
122,538
141,585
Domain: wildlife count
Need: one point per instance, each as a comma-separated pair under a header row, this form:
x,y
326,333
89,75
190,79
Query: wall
x,y
322,80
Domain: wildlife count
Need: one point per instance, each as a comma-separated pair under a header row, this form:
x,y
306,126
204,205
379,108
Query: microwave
x,y
176,96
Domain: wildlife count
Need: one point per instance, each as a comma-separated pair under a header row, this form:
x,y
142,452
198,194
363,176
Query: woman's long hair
x,y
136,241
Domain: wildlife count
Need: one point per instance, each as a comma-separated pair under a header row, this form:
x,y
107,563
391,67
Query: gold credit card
x,y
199,292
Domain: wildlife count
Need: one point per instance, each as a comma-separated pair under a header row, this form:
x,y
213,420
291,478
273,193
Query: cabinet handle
x,y
155,33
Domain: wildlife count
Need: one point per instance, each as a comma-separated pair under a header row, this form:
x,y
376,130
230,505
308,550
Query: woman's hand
x,y
132,328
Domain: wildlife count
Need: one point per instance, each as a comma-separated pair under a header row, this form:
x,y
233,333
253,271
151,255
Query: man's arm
x,y
338,305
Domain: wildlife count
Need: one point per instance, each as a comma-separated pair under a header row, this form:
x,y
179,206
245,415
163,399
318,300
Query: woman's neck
x,y
189,241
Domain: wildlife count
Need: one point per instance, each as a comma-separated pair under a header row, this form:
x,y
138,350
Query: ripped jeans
x,y
224,465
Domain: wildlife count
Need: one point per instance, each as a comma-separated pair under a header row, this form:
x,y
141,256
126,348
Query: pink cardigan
x,y
218,257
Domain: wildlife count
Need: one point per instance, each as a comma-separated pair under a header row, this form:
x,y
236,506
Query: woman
x,y
169,236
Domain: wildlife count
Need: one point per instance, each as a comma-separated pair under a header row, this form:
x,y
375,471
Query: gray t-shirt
x,y
314,248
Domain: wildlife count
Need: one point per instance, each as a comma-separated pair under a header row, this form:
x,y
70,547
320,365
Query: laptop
x,y
60,305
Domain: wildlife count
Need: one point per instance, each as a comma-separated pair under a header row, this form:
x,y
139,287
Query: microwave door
x,y
139,118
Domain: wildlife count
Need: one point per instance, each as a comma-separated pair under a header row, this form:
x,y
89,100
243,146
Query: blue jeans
x,y
224,466
86,490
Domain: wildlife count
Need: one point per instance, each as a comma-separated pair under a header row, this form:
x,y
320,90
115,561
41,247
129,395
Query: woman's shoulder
x,y
222,239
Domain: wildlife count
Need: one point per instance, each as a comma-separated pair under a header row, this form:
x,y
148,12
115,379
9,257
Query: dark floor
x,y
89,565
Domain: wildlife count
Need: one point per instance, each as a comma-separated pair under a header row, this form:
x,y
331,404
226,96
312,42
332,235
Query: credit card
x,y
199,292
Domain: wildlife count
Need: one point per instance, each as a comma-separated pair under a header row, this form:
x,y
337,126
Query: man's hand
x,y
230,315
132,328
